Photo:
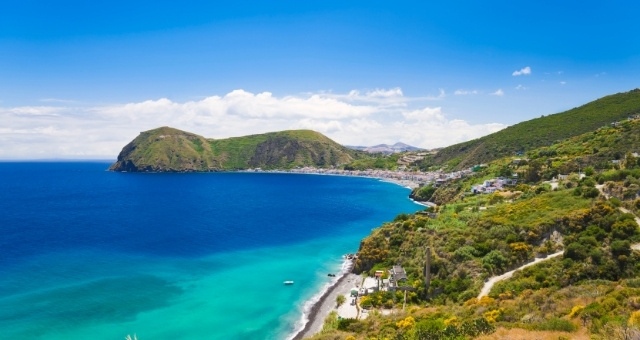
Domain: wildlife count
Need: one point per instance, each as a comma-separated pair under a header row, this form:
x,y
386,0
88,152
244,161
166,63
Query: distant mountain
x,y
539,132
385,148
167,149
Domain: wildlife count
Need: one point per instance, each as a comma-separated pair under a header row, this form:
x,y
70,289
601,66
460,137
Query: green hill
x,y
539,132
167,149
587,286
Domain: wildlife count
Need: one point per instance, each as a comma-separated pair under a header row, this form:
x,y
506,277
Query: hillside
x,y
167,149
543,131
586,216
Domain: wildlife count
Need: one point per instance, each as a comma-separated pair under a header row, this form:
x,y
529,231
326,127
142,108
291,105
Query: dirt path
x,y
626,211
489,284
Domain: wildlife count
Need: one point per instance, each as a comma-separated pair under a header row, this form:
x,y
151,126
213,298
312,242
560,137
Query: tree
x,y
340,300
533,172
589,171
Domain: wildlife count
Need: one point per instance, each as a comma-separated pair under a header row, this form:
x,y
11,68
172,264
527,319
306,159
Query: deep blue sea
x,y
91,254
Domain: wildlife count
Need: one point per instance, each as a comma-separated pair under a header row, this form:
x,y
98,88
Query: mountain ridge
x,y
386,148
167,149
539,132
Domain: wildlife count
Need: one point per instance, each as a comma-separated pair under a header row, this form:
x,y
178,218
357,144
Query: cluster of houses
x,y
492,185
396,280
414,178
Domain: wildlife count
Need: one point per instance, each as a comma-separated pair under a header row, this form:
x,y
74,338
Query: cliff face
x,y
170,150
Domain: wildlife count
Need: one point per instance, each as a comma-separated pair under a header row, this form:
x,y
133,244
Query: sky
x,y
79,80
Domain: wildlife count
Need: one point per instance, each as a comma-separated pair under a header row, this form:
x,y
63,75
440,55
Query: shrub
x,y
343,324
589,182
465,253
340,300
407,322
591,193
634,319
492,315
576,310
556,324
619,247
494,260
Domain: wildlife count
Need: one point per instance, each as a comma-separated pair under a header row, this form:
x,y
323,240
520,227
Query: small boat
x,y
288,283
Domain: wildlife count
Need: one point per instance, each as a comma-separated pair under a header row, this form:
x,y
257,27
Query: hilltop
x,y
167,149
542,131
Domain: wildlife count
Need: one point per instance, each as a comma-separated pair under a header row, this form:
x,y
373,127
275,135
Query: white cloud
x,y
525,71
35,111
521,87
441,95
57,100
376,116
498,93
563,82
465,92
427,113
377,93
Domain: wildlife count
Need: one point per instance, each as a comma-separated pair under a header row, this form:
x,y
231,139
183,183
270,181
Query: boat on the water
x,y
288,283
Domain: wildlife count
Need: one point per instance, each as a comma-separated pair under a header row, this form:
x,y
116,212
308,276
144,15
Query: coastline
x,y
410,180
313,319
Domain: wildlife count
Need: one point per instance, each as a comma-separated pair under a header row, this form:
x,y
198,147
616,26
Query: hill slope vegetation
x,y
167,149
543,131
589,214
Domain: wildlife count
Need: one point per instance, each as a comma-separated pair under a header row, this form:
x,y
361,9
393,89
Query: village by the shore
x,y
409,179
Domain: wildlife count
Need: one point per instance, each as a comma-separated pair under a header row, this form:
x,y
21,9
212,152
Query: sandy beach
x,y
327,303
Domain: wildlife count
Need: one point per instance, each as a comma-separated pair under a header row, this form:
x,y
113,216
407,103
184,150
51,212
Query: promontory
x,y
166,149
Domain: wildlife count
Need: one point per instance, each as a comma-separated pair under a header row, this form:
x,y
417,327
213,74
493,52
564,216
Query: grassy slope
x,y
592,288
541,131
168,149
285,149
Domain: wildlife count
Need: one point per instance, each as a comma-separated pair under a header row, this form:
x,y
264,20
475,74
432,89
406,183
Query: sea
x,y
90,254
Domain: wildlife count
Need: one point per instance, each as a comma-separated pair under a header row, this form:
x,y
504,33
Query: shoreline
x,y
404,179
313,319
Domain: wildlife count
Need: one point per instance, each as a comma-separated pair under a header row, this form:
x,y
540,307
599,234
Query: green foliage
x,y
374,161
494,261
168,149
423,193
556,324
539,132
340,300
346,324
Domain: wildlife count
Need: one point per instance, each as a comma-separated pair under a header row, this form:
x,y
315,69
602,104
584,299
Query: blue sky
x,y
81,79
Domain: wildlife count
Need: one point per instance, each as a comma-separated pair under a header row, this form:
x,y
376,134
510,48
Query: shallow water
x,y
90,253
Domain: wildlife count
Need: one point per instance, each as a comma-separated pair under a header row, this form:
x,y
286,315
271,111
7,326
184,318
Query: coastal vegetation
x,y
577,197
543,131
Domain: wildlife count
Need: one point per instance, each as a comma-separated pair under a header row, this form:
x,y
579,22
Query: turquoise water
x,y
95,254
